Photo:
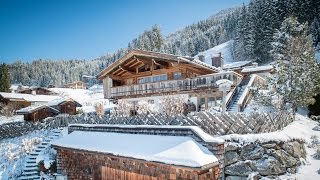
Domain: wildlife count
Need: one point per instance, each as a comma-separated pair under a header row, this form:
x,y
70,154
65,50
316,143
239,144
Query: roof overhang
x,y
152,56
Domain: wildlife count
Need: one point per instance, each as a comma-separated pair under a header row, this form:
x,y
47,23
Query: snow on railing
x,y
255,81
205,81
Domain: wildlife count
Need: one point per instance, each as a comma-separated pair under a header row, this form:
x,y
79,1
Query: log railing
x,y
200,82
255,81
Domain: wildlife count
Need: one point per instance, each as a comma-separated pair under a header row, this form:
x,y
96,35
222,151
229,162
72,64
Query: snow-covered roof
x,y
33,108
29,97
237,64
176,150
198,62
257,69
59,101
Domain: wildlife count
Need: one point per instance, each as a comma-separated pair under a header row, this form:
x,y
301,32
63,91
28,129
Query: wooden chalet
x,y
65,106
37,90
37,112
76,85
149,75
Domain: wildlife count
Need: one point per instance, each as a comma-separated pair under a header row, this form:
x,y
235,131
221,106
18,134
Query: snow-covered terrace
x,y
175,150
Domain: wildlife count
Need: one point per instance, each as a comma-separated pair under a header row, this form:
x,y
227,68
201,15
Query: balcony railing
x,y
200,82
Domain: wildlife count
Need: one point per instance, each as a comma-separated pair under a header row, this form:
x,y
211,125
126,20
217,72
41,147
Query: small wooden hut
x,y
65,105
37,112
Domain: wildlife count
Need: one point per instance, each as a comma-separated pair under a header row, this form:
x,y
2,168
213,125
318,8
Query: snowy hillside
x,y
224,48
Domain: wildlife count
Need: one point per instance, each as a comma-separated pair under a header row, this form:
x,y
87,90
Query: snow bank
x,y
4,120
297,130
177,150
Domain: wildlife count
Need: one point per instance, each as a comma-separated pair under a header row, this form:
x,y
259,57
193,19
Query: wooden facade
x,y
38,91
142,74
67,107
19,102
76,85
38,114
79,164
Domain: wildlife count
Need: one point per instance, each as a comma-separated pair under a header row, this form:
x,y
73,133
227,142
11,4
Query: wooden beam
x,y
116,77
129,62
116,71
136,63
155,62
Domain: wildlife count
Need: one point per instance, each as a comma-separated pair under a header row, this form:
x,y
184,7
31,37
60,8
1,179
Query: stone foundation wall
x,y
78,164
264,159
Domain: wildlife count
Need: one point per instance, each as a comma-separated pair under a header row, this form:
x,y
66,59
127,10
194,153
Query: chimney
x,y
201,57
217,60
33,92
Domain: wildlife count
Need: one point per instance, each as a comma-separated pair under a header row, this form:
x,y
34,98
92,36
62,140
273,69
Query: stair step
x,y
30,177
29,165
28,173
30,168
31,161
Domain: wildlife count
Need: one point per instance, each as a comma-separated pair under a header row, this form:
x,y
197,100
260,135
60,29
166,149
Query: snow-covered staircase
x,y
234,107
30,168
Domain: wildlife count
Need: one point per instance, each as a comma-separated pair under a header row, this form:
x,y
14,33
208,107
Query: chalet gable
x,y
136,61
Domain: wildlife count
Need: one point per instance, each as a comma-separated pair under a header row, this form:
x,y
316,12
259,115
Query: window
x,y
151,101
177,75
156,78
163,77
211,102
147,79
141,80
202,104
150,79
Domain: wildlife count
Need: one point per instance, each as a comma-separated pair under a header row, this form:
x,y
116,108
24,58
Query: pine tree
x,y
4,78
296,79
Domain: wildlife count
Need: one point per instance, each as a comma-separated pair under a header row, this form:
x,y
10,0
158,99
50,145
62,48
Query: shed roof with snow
x,y
34,108
175,150
57,102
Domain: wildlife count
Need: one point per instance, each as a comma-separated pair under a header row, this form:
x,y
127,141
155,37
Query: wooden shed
x,y
37,112
65,105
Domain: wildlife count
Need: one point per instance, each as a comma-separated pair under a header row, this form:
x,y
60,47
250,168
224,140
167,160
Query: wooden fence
x,y
214,124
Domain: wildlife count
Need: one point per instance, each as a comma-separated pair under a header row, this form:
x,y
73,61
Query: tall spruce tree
x,y
296,80
4,78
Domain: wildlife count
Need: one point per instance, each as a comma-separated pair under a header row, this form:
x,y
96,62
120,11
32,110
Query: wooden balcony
x,y
171,86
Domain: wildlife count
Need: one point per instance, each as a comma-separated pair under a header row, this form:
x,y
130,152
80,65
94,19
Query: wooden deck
x,y
200,83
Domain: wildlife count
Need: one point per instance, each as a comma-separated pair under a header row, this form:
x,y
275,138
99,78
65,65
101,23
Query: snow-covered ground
x,y
224,48
4,120
13,153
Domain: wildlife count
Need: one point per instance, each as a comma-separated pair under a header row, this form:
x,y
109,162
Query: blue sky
x,y
87,29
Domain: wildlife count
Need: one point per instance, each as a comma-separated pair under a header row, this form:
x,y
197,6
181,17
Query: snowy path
x,y
30,168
